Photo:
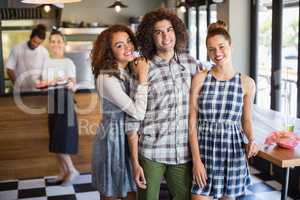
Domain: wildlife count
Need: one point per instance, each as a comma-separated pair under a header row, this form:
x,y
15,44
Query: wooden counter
x,y
24,136
281,157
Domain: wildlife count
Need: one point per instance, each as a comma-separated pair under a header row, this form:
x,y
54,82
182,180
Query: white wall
x,y
236,13
96,10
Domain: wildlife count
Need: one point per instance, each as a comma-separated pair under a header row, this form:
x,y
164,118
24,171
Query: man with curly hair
x,y
162,147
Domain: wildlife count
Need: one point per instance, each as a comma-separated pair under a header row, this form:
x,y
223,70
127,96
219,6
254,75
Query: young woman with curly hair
x,y
112,56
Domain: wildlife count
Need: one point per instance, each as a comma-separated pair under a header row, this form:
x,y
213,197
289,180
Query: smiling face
x,y
164,36
56,45
122,48
219,49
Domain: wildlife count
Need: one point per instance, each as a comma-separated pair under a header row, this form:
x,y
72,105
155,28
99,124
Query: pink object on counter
x,y
284,139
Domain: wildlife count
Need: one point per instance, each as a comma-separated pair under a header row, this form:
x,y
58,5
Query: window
x,y
264,54
202,28
289,59
268,95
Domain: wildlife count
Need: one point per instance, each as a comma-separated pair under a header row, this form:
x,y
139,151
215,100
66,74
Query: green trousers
x,y
178,178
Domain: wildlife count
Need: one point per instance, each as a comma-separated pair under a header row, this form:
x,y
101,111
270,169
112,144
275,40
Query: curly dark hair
x,y
103,60
145,31
39,31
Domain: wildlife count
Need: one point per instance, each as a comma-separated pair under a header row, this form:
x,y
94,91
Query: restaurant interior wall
x,y
97,11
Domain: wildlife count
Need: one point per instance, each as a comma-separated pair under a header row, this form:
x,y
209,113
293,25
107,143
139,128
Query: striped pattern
x,y
164,131
221,138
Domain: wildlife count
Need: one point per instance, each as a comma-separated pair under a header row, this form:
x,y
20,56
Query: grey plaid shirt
x,y
164,130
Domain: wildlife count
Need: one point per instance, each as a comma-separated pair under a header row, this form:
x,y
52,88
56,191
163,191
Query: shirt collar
x,y
159,60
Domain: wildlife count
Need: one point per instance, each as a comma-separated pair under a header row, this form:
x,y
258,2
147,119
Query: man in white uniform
x,y
24,64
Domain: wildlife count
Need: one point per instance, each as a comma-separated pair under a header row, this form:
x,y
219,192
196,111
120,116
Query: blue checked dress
x,y
221,138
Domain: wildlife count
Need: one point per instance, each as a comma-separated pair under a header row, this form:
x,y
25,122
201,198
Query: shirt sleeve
x,y
111,89
12,60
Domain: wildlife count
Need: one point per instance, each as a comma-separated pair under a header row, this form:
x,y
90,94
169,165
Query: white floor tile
x,y
35,198
249,192
274,195
274,184
86,178
9,195
88,195
255,179
34,183
59,190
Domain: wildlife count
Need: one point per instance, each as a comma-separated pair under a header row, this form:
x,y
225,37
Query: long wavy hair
x,y
145,31
102,57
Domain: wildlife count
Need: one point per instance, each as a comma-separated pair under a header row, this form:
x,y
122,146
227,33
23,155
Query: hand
x,y
251,149
39,84
139,177
141,68
199,174
51,82
70,85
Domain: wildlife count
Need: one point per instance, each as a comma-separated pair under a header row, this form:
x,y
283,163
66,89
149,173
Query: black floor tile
x,y
30,193
63,197
9,186
264,176
87,187
49,183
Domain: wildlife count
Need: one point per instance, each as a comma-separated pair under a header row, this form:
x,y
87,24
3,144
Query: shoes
x,y
68,181
58,180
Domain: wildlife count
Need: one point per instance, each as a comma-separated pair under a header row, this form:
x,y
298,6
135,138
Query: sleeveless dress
x,y
221,138
111,167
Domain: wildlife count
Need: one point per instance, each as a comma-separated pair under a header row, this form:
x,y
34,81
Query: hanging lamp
x,y
117,5
182,6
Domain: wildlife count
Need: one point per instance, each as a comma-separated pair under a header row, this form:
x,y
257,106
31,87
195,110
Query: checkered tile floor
x,y
39,189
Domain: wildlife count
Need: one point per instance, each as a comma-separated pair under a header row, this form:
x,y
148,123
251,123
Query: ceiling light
x,y
182,6
118,5
49,1
47,8
218,1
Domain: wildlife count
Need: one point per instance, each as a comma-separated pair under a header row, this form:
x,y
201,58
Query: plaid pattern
x,y
221,138
164,130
